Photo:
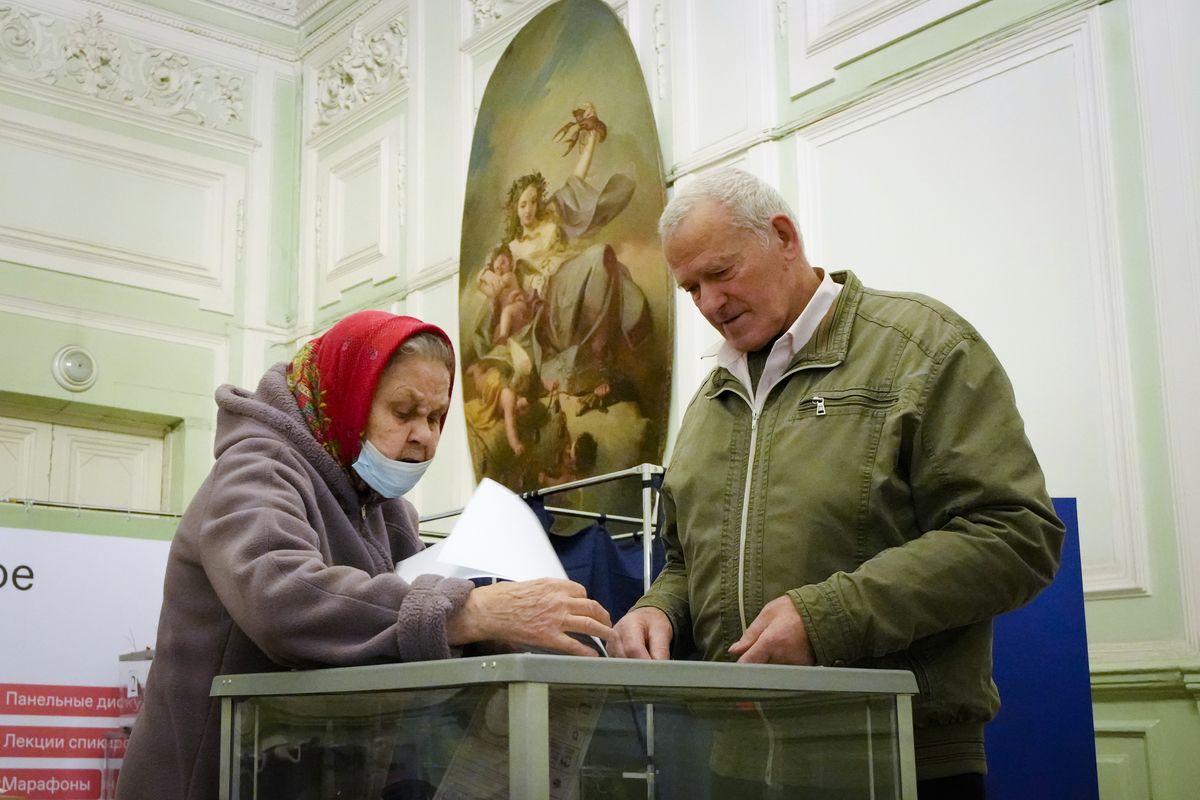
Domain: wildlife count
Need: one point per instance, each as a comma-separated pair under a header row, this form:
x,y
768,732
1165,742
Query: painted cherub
x,y
576,460
512,306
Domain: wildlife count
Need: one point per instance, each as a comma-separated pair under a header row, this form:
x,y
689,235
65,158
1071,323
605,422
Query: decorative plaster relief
x,y
660,50
367,68
86,58
402,189
487,12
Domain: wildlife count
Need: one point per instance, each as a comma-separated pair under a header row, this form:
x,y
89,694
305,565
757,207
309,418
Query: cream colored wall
x,y
1028,161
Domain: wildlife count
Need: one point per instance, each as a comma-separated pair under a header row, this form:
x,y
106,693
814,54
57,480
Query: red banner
x,y
65,701
50,784
20,741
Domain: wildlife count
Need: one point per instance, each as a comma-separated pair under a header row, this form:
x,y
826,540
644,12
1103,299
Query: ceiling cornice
x,y
289,12
254,44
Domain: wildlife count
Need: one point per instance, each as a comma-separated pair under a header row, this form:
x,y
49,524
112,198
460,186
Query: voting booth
x,y
543,726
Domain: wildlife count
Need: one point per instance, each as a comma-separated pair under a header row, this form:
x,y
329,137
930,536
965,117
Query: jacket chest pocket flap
x,y
837,402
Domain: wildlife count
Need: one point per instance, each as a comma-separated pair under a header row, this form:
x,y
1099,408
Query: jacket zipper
x,y
745,518
754,415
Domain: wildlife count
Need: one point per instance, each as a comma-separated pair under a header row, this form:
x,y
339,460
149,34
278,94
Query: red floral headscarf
x,y
333,377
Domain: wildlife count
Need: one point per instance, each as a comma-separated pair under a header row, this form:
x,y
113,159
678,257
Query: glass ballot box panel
x,y
531,726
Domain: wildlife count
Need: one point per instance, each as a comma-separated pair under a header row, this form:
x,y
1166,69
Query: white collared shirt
x,y
785,346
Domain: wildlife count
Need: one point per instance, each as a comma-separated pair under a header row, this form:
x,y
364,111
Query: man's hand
x,y
536,613
642,633
777,636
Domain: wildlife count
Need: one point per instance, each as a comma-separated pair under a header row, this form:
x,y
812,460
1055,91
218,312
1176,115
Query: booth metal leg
x,y
647,566
908,759
529,741
227,761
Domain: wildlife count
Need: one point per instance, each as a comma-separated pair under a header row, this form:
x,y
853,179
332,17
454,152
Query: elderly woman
x,y
285,558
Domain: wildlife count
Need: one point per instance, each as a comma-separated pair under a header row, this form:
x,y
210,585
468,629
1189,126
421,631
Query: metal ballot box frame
x,y
545,726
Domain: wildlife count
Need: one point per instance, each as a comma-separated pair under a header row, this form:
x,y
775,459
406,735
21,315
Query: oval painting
x,y
565,302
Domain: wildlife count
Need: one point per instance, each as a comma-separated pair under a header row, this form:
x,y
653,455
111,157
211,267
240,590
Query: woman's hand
x,y
539,613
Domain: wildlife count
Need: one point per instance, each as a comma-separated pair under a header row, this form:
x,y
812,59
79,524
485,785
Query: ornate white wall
x,y
200,193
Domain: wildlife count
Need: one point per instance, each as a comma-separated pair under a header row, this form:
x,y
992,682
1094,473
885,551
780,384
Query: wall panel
x,y
355,164
24,458
826,34
986,185
1123,760
721,75
105,206
103,468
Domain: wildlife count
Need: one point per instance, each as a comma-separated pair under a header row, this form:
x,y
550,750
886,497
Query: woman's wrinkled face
x,y
405,421
527,206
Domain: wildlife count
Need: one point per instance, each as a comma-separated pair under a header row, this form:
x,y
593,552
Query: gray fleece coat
x,y
277,563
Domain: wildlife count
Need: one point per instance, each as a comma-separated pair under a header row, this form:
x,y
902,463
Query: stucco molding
x,y
661,50
283,11
1158,667
371,65
85,57
1110,685
500,22
486,13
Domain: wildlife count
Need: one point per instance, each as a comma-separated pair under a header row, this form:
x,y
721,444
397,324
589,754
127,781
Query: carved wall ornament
x,y
486,12
26,44
402,188
93,55
367,68
660,50
172,86
85,57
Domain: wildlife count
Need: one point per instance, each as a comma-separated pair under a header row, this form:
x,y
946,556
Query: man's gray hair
x,y
750,201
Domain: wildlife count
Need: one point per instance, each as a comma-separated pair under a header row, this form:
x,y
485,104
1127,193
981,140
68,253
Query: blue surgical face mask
x,y
388,477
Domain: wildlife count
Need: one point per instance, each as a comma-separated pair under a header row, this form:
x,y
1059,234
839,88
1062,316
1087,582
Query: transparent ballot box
x,y
529,726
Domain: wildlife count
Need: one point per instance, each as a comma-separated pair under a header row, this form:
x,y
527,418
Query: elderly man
x,y
851,486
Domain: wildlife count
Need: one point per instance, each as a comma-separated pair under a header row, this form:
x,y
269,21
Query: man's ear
x,y
787,235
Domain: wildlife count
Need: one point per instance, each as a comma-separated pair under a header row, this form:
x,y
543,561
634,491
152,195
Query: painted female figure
x,y
588,314
592,310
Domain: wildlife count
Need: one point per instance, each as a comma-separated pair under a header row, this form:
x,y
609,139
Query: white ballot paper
x,y
496,535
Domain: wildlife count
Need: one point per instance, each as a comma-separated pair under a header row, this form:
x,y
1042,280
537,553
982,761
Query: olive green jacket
x,y
887,487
